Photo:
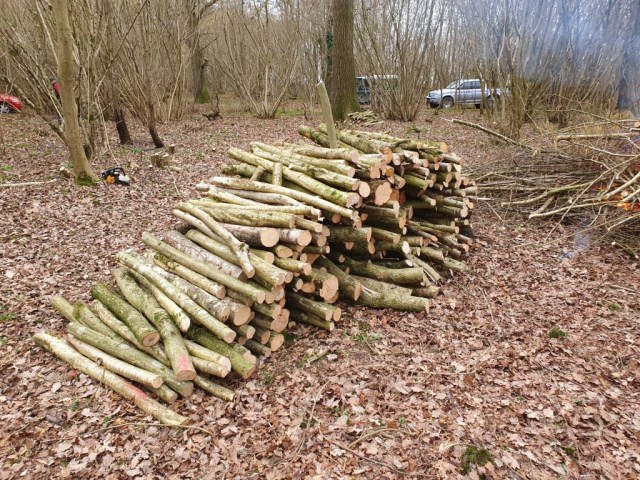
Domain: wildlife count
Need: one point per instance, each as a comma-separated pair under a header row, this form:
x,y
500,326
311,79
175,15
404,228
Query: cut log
x,y
208,271
144,332
322,310
144,301
309,319
180,318
116,366
239,249
271,274
179,297
63,351
184,245
214,389
132,355
238,363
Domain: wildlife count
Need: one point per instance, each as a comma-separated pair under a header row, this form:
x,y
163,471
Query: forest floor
x,y
479,380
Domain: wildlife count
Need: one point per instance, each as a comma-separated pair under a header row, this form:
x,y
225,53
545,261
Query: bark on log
x,y
115,365
184,245
322,310
409,276
277,174
239,249
309,319
211,368
120,332
238,363
190,276
197,350
349,287
208,271
179,317
271,274
132,355
383,295
257,348
146,334
241,184
144,301
346,154
214,389
63,351
182,299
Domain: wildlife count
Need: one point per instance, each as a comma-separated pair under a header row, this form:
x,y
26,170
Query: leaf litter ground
x,y
526,368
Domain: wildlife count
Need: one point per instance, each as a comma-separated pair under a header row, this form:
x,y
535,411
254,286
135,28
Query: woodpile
x,y
290,231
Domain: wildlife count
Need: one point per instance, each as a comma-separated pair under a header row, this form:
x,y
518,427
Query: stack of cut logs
x,y
375,221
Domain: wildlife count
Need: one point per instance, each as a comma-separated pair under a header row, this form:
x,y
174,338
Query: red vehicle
x,y
9,104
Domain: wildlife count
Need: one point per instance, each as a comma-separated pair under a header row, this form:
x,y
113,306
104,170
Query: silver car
x,y
464,92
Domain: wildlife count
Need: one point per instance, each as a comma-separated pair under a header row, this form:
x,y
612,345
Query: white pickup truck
x,y
464,92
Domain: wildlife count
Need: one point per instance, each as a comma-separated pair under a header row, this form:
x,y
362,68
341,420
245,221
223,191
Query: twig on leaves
x,y
25,184
377,462
373,433
131,424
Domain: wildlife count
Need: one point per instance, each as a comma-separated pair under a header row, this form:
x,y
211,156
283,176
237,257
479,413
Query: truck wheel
x,y
446,103
4,108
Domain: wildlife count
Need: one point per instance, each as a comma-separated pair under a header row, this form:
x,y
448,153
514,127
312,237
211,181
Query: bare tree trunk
x,y
151,125
72,133
343,74
199,71
121,127
628,96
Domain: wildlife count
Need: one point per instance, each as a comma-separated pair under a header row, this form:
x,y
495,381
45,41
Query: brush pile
x,y
593,181
374,222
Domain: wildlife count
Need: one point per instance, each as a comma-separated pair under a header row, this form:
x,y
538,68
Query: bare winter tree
x,y
73,135
258,53
196,12
396,42
343,70
32,36
629,85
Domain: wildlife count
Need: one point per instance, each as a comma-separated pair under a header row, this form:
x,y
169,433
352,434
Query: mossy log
x,y
173,254
310,319
124,351
238,363
348,286
257,348
322,310
146,333
408,276
63,351
384,295
180,318
144,301
179,297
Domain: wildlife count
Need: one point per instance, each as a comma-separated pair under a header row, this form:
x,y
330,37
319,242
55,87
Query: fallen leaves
x,y
479,369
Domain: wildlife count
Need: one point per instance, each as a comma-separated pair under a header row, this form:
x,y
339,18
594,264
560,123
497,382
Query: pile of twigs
x,y
592,179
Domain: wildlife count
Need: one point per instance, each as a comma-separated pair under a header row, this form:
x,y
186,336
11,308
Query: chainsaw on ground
x,y
115,176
